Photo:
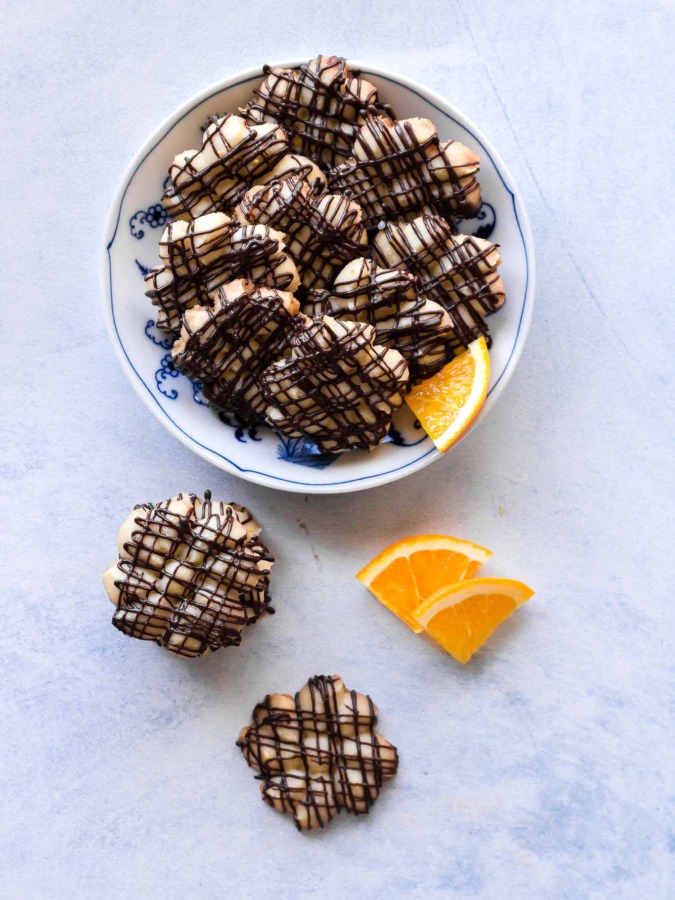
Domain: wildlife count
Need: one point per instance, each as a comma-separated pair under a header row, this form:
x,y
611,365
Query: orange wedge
x,y
463,616
447,403
409,571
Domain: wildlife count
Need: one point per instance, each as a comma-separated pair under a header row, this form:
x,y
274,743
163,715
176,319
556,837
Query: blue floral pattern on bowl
x,y
155,216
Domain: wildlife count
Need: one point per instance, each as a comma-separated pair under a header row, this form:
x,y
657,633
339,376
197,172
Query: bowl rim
x,y
277,482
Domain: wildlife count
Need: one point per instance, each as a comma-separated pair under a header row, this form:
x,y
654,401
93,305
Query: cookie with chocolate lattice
x,y
234,155
457,271
323,231
404,318
402,167
200,256
318,752
337,387
227,345
191,574
319,105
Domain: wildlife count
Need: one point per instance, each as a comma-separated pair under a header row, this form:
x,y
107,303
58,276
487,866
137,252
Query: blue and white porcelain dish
x,y
137,220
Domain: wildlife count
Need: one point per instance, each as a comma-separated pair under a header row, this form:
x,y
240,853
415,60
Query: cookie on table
x,y
337,387
318,752
457,271
191,574
227,345
301,167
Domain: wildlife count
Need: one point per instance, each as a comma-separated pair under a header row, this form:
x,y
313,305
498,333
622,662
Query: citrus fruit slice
x,y
447,403
463,616
409,571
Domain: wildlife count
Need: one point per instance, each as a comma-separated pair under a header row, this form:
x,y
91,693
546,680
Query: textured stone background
x,y
543,769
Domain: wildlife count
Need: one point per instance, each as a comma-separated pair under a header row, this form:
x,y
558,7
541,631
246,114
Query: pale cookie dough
x,y
300,166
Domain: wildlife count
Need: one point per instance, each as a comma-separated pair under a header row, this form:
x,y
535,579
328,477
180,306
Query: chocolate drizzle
x,y
401,167
456,271
323,231
200,257
404,318
300,166
337,387
318,752
191,574
234,155
419,290
319,105
227,346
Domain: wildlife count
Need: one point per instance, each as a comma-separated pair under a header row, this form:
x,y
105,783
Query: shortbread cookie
x,y
323,231
318,752
404,318
456,271
337,387
227,345
402,167
191,574
234,155
200,256
319,105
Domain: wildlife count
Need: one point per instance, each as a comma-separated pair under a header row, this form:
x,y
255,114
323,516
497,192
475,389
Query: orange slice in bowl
x,y
404,574
447,403
463,616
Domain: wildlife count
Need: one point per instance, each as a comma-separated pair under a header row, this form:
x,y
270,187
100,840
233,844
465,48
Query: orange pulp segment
x,y
404,574
447,403
462,617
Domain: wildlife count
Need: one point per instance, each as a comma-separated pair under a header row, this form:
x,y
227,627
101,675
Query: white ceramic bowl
x,y
135,226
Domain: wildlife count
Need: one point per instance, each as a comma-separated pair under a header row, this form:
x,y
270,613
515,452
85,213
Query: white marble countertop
x,y
542,770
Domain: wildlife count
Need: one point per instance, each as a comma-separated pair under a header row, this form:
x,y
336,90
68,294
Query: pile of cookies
x,y
312,273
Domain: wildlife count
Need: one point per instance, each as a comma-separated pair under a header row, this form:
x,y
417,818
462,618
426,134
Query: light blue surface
x,y
543,770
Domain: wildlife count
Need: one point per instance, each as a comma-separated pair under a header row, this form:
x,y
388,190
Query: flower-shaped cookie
x,y
405,319
456,271
402,167
318,752
234,155
323,231
228,344
191,574
318,104
337,387
200,256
